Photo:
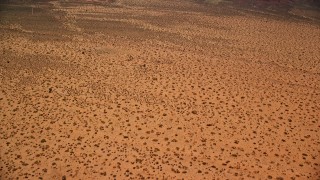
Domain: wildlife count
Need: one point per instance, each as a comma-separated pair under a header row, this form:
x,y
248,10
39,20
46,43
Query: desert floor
x,y
158,89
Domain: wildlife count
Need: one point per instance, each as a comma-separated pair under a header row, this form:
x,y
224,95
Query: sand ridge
x,y
151,89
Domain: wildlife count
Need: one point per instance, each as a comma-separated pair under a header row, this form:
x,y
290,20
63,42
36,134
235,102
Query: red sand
x,y
158,89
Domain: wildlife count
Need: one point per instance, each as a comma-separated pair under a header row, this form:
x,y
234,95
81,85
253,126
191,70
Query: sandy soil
x,y
157,89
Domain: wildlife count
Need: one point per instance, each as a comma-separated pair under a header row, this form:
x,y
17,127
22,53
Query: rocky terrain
x,y
152,89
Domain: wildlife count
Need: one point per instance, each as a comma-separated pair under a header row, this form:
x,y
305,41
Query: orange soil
x,y
158,89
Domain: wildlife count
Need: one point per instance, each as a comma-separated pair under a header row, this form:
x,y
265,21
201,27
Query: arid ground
x,y
152,89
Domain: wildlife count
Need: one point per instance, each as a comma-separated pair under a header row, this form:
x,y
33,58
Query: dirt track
x,y
157,89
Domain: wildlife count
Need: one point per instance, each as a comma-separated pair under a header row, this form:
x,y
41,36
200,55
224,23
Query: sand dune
x,y
158,89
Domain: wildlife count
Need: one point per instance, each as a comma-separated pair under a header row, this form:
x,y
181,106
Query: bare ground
x,y
158,89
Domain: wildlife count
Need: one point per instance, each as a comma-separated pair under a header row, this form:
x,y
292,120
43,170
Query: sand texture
x,y
151,89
